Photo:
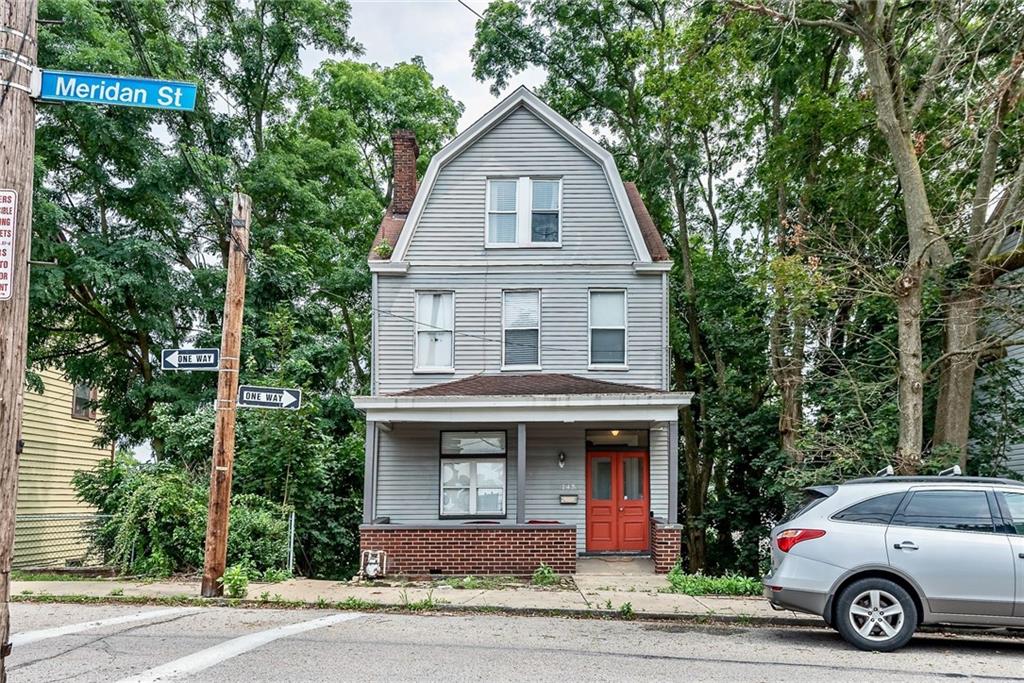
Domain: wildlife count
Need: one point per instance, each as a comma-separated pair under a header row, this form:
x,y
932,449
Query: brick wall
x,y
403,189
507,549
666,544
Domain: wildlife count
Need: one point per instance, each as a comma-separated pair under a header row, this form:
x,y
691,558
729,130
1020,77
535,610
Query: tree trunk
x,y
911,375
956,382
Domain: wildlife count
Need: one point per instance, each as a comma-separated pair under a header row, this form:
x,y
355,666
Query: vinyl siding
x,y
56,446
564,334
409,471
452,223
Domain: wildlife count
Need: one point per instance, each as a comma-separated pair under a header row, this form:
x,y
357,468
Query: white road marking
x,y
43,634
211,656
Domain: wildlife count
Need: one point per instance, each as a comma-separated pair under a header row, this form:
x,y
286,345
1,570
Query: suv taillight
x,y
790,537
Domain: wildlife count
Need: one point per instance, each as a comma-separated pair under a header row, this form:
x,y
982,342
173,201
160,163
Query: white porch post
x,y
370,472
673,472
521,473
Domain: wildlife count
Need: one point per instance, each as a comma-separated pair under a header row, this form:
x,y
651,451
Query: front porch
x,y
500,484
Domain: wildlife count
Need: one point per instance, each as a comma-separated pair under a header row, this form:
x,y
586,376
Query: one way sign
x,y
190,359
269,397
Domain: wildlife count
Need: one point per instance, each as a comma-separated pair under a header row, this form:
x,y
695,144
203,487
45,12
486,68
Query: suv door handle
x,y
906,545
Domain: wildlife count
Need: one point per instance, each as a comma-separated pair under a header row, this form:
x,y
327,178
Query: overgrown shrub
x,y
157,520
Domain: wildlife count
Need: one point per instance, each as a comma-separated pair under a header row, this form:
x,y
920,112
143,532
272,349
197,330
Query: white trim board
x,y
523,97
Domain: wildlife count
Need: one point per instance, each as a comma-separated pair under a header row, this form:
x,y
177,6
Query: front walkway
x,y
594,595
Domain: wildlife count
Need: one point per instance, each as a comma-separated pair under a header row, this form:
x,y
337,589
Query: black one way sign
x,y
190,359
269,397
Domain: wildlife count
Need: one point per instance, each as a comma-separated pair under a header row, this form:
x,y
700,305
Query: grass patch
x,y
478,582
17,575
698,584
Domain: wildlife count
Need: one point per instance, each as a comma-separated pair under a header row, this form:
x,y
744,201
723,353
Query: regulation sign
x,y
8,225
121,91
269,397
190,359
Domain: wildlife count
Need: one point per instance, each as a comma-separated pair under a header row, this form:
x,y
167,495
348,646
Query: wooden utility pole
x,y
227,392
17,149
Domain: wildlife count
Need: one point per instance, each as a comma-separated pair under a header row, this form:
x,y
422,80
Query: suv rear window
x,y
812,496
878,510
955,510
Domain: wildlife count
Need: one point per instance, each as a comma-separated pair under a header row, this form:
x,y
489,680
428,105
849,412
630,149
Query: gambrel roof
x,y
397,230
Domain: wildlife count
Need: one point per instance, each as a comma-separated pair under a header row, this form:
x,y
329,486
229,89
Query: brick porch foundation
x,y
666,544
516,549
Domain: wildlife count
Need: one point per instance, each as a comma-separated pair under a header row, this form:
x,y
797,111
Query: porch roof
x,y
527,397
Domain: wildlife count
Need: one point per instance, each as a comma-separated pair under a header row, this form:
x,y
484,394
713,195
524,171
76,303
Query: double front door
x,y
618,501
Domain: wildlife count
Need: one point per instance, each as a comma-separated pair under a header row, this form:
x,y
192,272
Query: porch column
x,y
521,473
370,472
673,472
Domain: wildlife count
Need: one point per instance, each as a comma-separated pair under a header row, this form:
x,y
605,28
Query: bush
x,y
157,520
545,576
236,581
698,584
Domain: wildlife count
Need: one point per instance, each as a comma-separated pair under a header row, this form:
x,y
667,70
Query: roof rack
x,y
953,471
887,471
933,479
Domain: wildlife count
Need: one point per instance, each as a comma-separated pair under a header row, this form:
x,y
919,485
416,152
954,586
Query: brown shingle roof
x,y
652,237
530,384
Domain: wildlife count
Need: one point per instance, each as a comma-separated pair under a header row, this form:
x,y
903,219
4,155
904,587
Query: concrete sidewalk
x,y
594,595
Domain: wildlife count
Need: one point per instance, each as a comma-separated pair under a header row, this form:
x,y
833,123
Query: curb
x,y
438,608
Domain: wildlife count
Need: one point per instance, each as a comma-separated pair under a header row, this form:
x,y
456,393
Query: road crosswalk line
x,y
27,637
211,656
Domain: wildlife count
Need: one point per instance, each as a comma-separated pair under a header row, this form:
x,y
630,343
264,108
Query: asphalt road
x,y
136,643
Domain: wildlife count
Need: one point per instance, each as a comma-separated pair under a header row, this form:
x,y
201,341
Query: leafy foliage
x,y
698,584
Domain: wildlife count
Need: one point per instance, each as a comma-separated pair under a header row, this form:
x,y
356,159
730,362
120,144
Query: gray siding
x,y
564,335
409,471
452,223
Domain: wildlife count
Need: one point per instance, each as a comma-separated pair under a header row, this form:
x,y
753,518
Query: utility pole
x,y
227,391
18,50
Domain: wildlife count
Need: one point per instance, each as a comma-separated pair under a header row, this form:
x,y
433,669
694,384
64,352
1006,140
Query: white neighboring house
x,y
521,410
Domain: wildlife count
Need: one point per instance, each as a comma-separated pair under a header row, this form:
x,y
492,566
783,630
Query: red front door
x,y
618,503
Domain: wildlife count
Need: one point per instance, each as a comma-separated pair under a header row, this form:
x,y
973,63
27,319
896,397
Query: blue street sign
x,y
121,91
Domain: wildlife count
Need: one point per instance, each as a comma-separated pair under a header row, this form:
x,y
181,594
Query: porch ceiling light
x,y
615,432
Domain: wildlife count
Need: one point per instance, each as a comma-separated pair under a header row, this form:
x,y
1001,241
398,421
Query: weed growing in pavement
x,y
353,602
235,581
626,611
478,582
608,605
26,592
545,576
117,592
419,605
265,596
698,584
321,603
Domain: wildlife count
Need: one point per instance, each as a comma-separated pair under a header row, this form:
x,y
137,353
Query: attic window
x,y
524,212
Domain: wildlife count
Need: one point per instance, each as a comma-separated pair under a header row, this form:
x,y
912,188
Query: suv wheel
x,y
876,614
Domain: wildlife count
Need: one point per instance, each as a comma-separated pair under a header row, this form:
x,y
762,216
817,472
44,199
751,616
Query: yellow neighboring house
x,y
58,429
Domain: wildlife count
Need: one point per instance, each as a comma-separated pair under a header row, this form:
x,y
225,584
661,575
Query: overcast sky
x,y
440,31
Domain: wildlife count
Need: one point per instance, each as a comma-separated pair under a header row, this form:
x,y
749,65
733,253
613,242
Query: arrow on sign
x,y
190,359
269,397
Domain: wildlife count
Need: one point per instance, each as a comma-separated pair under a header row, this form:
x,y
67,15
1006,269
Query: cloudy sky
x,y
440,31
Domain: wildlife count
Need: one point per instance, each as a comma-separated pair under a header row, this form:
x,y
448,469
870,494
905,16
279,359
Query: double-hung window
x,y
83,402
524,212
473,474
435,331
608,328
521,329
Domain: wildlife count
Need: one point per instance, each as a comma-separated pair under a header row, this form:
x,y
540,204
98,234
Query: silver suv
x,y
878,557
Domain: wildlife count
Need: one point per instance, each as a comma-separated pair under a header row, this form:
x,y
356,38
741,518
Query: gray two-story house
x,y
520,410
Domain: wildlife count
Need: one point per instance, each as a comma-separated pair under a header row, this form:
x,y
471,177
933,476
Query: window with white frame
x,y
473,474
546,213
608,327
435,330
524,212
521,328
502,211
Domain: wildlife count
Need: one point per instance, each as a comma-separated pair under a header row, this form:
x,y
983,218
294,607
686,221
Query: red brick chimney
x,y
403,141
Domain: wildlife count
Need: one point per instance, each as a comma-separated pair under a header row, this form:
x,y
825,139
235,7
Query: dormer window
x,y
524,212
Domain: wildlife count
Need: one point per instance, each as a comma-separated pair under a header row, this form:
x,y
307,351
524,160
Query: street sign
x,y
121,91
8,224
269,397
190,359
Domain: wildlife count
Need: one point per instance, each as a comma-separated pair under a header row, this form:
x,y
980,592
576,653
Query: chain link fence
x,y
56,540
